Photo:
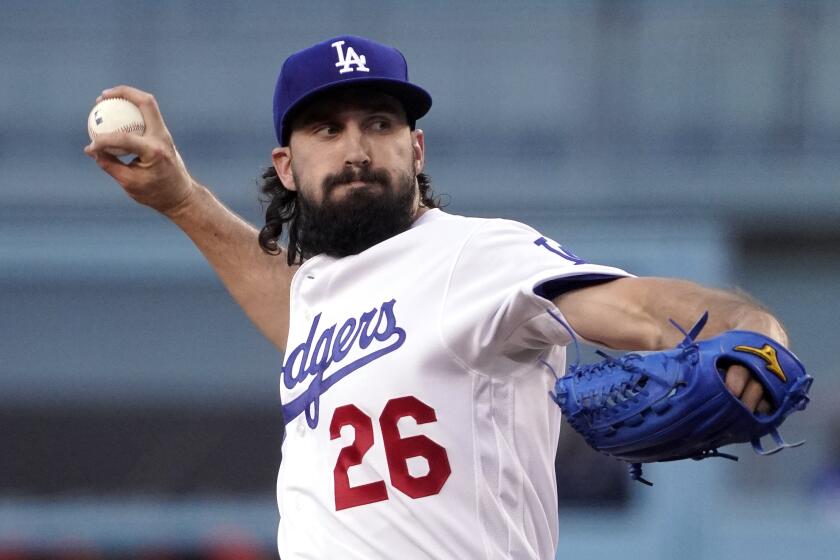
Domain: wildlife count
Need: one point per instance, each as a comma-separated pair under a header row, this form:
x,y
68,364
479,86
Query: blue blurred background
x,y
139,410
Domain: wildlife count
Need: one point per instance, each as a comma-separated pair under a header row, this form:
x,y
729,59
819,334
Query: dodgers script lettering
x,y
312,360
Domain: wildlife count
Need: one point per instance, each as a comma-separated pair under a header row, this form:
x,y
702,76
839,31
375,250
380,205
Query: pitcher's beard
x,y
360,219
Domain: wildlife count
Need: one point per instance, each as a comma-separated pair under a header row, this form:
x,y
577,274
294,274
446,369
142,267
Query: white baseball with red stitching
x,y
115,115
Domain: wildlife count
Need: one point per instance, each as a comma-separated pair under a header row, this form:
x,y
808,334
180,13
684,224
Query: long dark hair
x,y
282,211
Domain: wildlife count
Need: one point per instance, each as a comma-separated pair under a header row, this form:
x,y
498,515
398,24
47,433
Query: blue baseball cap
x,y
340,62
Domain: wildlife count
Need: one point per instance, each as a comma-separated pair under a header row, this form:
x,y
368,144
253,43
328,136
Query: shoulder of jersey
x,y
473,221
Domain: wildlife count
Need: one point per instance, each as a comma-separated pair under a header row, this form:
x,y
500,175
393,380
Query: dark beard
x,y
361,219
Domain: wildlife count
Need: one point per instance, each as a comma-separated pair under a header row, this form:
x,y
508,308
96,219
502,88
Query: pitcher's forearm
x,y
685,301
633,313
259,282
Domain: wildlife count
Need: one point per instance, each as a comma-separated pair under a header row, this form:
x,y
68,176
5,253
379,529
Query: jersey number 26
x,y
397,451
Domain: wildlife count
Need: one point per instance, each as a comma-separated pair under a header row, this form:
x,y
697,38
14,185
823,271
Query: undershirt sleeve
x,y
497,303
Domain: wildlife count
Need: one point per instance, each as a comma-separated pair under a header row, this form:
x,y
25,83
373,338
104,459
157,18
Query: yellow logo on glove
x,y
768,354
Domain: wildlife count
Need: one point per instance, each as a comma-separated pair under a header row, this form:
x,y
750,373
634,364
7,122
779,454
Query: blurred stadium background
x,y
139,414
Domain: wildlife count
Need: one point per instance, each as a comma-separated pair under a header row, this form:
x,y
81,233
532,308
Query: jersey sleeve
x,y
497,302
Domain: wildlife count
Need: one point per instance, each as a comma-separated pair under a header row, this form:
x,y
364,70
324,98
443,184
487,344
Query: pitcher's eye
x,y
380,125
326,130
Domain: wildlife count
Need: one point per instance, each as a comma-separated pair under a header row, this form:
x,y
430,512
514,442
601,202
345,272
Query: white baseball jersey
x,y
418,420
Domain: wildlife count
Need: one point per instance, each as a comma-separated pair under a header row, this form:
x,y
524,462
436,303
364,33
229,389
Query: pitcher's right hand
x,y
157,177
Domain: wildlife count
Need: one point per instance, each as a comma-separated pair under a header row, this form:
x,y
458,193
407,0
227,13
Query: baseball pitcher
x,y
423,351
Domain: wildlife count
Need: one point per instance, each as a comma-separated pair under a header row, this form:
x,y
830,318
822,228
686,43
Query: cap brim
x,y
414,99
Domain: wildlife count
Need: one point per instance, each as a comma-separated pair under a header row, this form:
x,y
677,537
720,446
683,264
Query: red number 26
x,y
397,451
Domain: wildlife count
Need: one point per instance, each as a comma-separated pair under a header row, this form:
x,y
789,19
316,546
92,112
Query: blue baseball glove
x,y
670,405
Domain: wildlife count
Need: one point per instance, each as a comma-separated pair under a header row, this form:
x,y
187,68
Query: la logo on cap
x,y
348,59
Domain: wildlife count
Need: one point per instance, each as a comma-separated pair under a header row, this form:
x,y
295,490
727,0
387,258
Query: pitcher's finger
x,y
111,165
736,379
764,407
753,393
116,141
145,102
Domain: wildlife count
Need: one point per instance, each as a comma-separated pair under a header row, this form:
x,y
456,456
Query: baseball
x,y
115,115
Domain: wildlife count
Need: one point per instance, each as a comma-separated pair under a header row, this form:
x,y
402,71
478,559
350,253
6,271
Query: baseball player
x,y
419,345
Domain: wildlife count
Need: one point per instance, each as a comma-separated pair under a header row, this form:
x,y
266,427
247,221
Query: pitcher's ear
x,y
281,157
